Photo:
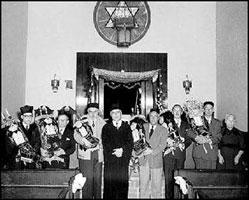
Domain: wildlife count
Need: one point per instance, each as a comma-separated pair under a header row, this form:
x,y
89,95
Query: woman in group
x,y
231,146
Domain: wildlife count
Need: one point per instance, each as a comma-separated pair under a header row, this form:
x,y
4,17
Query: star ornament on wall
x,y
112,17
120,15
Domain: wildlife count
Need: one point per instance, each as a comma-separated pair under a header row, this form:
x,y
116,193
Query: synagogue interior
x,y
66,60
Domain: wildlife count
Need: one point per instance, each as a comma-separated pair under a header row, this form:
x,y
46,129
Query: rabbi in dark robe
x,y
117,145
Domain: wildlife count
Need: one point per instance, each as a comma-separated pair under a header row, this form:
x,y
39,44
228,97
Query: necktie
x,y
117,124
207,123
151,131
93,124
27,127
178,123
60,133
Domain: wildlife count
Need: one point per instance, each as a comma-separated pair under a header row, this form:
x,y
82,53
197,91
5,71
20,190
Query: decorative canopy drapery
x,y
125,77
115,85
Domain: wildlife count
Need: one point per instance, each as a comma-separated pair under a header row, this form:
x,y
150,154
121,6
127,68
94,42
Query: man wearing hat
x,y
205,150
117,145
31,131
91,160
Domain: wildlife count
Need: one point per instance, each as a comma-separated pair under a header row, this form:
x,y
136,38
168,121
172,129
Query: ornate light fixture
x,y
187,84
124,21
55,84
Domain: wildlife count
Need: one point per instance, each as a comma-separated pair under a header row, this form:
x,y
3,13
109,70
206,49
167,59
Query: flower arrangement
x,y
82,127
194,110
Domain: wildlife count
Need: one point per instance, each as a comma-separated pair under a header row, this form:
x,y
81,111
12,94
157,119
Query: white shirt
x,y
25,126
178,122
61,130
117,123
209,119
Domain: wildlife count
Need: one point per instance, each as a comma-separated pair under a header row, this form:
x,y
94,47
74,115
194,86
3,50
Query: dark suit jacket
x,y
33,136
67,143
198,150
157,143
183,132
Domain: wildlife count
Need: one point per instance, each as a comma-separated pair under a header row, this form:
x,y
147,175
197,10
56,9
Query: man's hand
x,y
77,124
181,146
221,159
86,142
200,139
118,152
236,159
148,151
59,152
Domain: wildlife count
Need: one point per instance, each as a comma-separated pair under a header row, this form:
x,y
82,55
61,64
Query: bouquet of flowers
x,y
82,127
26,152
194,110
174,140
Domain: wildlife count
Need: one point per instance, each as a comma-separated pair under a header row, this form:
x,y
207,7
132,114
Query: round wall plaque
x,y
109,14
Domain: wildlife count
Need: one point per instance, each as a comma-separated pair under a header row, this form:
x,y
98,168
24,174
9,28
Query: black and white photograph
x,y
124,100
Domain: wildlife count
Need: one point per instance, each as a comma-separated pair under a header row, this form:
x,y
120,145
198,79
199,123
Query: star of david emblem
x,y
112,17
121,15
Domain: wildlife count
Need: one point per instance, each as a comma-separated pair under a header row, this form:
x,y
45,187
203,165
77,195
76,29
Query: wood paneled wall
x,y
129,62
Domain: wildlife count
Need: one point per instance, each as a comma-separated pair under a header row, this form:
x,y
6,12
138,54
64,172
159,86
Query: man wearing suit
x,y
176,158
91,160
31,132
151,163
205,149
117,145
66,142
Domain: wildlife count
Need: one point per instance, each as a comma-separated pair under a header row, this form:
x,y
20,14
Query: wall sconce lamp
x,y
187,84
124,21
55,84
